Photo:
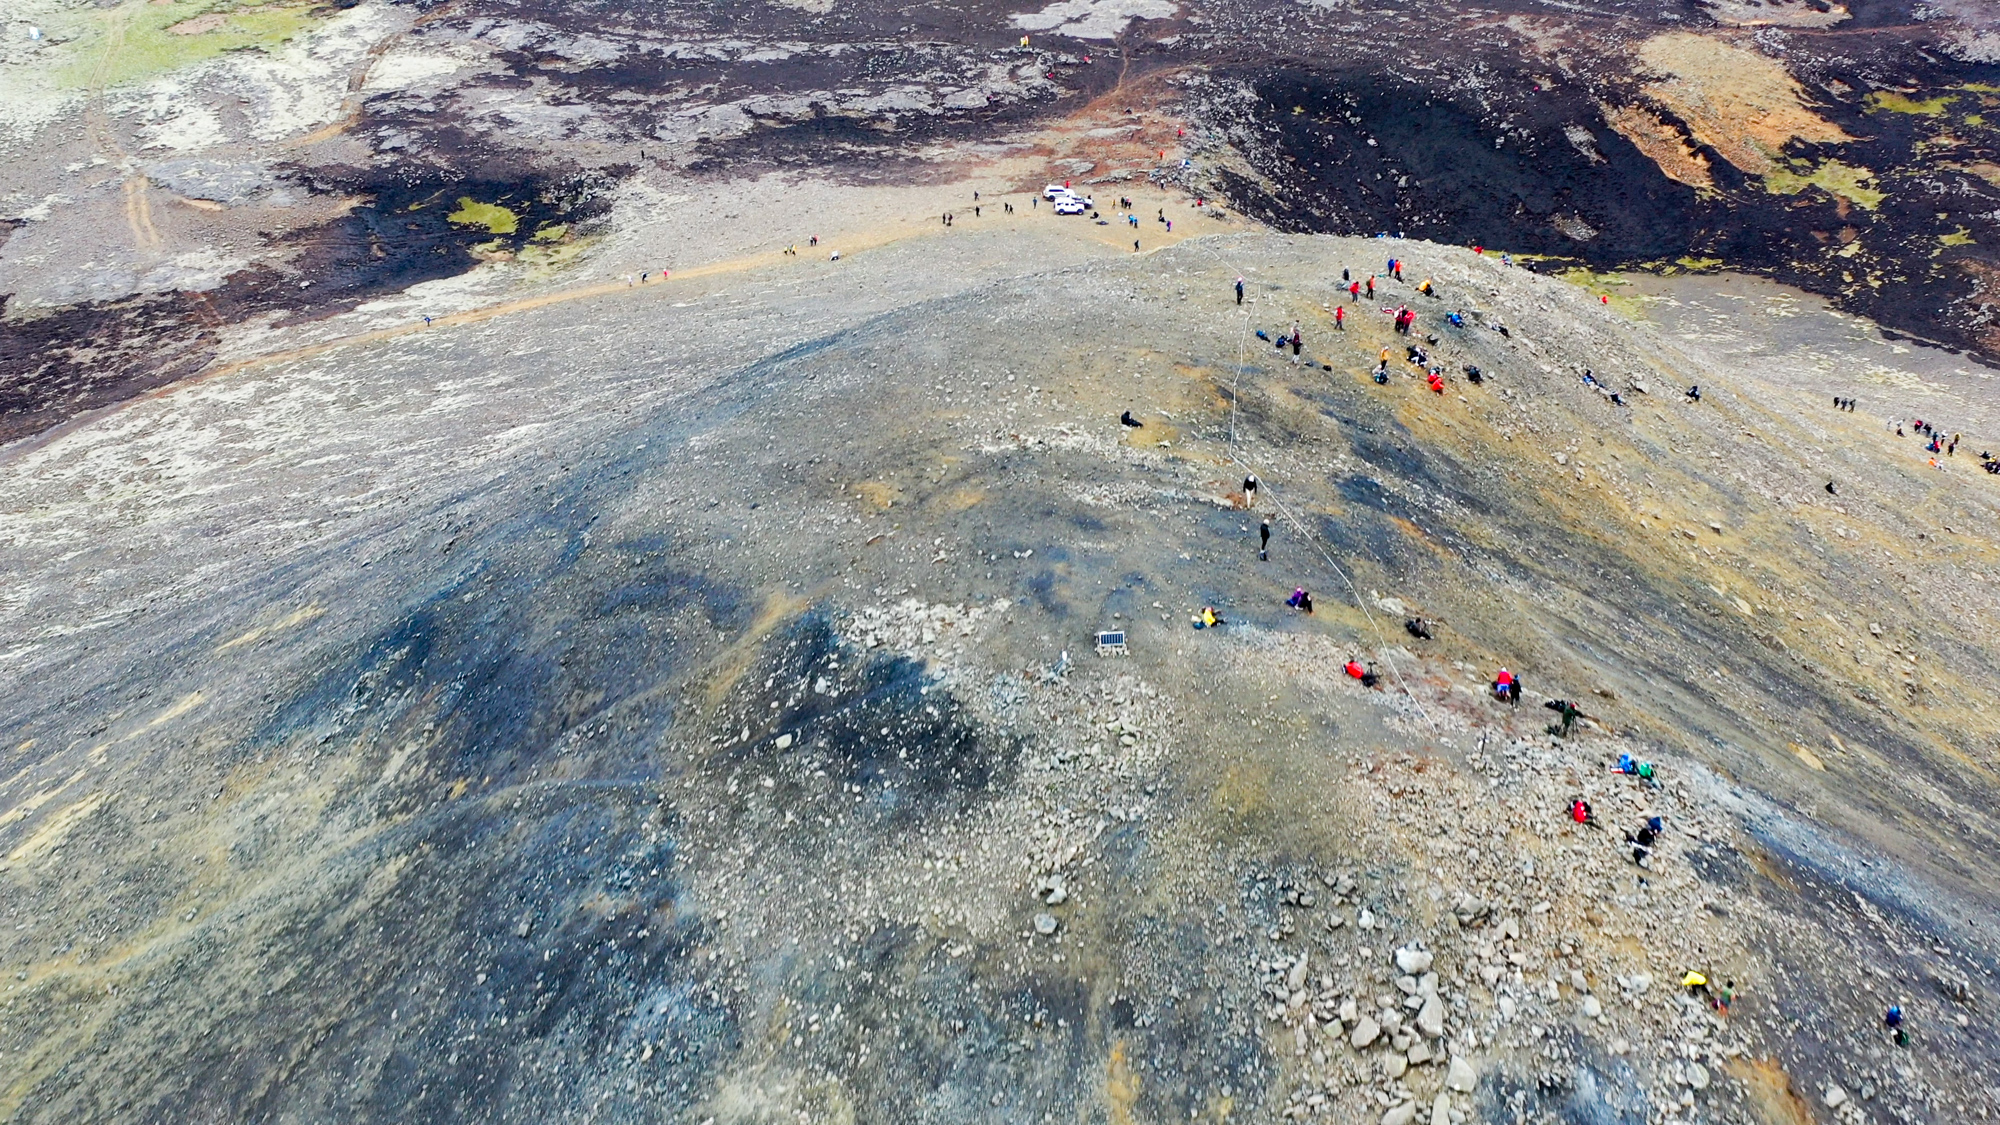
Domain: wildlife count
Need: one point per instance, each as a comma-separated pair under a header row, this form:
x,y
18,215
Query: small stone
x,y
1441,1110
521,931
1297,976
1413,961
1401,1115
1592,1007
1577,981
1365,1032
1407,984
784,742
1367,919
1419,1053
1349,1011
1696,1075
1045,924
1508,1007
1430,1019
1460,1075
1621,1046
1562,458
1394,1066
1835,1096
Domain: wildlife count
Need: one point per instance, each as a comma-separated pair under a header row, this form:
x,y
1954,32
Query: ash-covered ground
x,y
680,703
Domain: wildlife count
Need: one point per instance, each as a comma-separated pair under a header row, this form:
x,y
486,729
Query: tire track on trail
x,y
137,205
351,105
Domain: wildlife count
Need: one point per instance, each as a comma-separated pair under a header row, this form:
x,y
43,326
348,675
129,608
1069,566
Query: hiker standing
x,y
1264,540
1340,318
1239,290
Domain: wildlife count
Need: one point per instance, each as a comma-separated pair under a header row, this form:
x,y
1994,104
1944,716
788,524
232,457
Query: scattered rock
x,y
1441,1110
1045,924
784,742
1835,1096
1695,1075
1401,1115
1413,960
1365,1032
1593,1008
1460,1076
1430,1018
1394,1066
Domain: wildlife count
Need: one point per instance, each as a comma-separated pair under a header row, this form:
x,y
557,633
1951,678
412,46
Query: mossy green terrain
x,y
492,216
1889,101
1856,185
140,39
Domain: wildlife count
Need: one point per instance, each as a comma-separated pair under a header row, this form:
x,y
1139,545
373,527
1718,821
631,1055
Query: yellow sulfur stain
x,y
1121,1085
57,828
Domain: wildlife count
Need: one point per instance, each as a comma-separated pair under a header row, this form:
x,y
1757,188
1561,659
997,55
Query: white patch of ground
x,y
407,69
294,89
1093,19
29,92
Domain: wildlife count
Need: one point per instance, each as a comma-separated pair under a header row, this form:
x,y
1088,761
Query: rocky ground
x,y
678,701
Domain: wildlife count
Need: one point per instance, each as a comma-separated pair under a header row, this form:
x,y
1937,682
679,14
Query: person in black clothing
x,y
1239,290
1264,541
1250,489
1126,419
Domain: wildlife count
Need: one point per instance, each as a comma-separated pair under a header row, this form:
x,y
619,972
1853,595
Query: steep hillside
x,y
681,704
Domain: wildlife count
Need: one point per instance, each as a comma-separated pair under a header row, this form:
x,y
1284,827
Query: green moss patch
x,y
138,39
495,218
1834,178
1889,101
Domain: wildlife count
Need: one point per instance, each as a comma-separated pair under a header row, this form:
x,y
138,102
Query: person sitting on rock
x,y
1126,419
1579,811
1503,684
1208,619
